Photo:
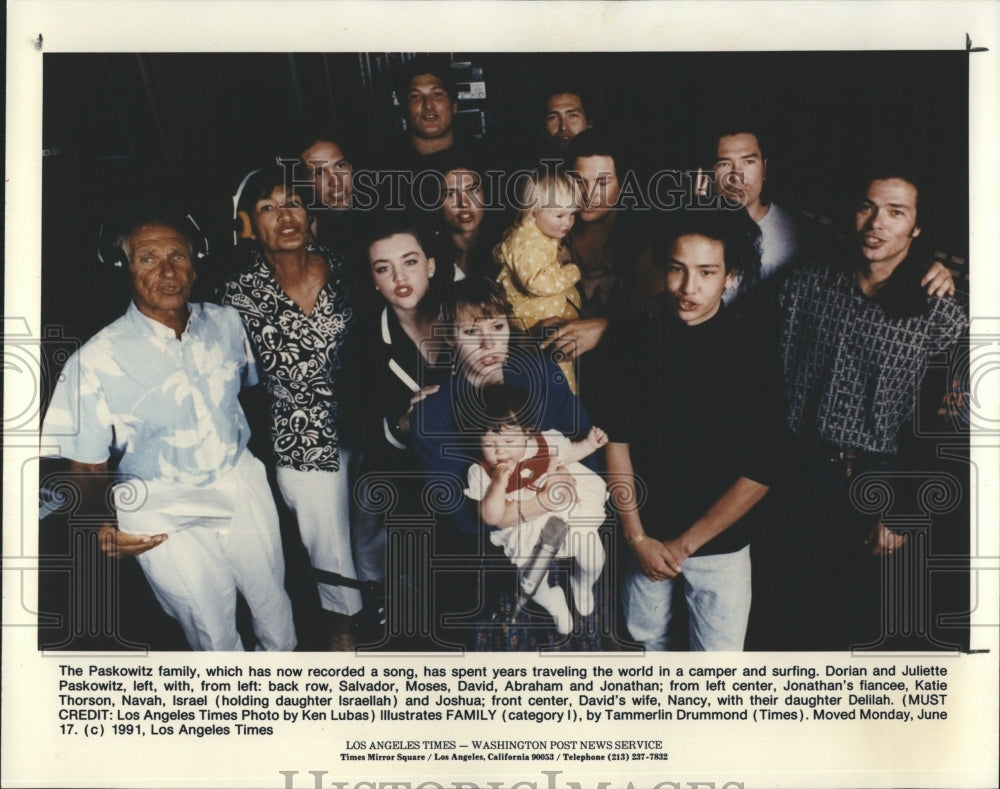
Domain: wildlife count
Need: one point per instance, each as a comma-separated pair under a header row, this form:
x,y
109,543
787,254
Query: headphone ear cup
x,y
118,260
199,241
244,229
110,249
109,253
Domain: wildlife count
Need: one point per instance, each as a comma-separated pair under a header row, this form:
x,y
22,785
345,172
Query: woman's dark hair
x,y
263,182
463,161
496,217
506,406
476,294
384,224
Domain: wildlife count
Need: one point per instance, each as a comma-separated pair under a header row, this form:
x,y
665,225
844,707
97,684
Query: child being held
x,y
524,478
535,268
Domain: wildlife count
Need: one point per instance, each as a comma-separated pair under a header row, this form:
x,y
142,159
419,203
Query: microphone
x,y
553,533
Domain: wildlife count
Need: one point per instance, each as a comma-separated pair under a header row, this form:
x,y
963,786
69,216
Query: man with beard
x,y
565,117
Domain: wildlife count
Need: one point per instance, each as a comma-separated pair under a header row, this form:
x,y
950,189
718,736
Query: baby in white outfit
x,y
518,464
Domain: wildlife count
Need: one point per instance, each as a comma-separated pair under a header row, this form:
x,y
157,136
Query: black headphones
x,y
244,205
111,237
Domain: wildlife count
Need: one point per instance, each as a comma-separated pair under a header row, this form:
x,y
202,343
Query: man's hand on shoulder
x,y
938,281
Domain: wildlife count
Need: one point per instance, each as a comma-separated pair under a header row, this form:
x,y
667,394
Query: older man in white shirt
x,y
151,404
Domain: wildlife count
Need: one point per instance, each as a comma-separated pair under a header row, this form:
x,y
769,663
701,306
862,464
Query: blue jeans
x,y
717,591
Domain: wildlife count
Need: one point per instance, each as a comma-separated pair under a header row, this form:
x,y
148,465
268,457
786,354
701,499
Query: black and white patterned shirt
x,y
851,372
298,359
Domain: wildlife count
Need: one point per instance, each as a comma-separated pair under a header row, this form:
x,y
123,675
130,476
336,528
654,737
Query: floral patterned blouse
x,y
299,359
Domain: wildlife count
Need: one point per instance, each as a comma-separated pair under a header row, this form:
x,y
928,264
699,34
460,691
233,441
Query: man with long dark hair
x,y
856,340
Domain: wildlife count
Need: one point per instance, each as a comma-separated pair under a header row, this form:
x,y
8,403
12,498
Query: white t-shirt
x,y
779,246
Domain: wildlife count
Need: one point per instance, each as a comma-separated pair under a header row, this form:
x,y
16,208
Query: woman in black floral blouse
x,y
297,313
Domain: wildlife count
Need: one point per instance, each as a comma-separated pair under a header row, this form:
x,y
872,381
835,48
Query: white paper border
x,y
964,755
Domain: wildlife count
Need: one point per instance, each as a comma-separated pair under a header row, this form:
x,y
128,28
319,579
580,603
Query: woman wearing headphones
x,y
297,313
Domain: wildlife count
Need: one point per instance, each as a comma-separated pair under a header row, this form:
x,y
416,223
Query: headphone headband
x,y
111,253
241,226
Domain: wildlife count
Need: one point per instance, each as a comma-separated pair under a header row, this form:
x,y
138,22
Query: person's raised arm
x,y
494,507
546,279
578,450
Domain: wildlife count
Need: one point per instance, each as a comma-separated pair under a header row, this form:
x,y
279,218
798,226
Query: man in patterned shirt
x,y
153,399
856,340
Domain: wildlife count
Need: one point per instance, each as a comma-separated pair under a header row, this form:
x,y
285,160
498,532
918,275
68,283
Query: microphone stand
x,y
537,567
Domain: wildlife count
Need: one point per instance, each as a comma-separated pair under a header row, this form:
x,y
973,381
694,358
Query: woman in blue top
x,y
446,428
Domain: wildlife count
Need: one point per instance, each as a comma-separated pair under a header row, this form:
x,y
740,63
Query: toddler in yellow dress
x,y
535,268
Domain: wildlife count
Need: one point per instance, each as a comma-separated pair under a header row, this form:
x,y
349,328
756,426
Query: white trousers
x,y
321,501
221,538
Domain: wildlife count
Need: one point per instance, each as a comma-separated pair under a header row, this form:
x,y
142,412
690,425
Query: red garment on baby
x,y
527,471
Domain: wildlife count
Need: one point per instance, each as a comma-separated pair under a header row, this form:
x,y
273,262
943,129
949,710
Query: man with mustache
x,y
565,117
856,340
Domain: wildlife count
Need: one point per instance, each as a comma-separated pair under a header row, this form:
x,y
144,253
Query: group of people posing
x,y
683,390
